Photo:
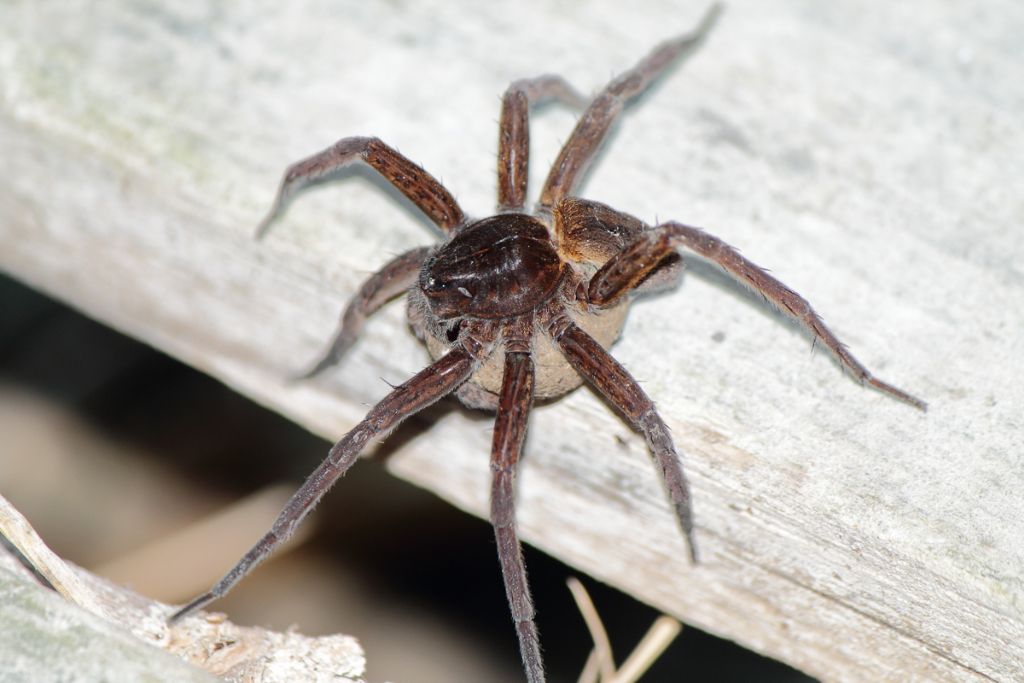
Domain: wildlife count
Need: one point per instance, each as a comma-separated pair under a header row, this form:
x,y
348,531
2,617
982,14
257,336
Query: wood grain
x,y
873,160
87,629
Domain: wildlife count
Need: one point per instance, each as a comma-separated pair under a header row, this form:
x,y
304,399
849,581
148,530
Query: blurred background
x,y
150,473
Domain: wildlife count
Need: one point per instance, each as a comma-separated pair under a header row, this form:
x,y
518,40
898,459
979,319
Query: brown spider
x,y
517,306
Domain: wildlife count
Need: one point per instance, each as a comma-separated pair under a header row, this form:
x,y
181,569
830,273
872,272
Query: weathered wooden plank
x,y
86,629
872,160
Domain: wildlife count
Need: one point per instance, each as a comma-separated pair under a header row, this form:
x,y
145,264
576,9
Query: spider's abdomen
x,y
497,267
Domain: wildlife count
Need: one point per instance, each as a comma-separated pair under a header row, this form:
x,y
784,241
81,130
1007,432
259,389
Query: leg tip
x,y
710,18
262,228
691,545
314,369
898,394
191,607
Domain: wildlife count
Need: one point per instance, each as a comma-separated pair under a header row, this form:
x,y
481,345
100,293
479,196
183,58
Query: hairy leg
x,y
393,279
509,433
615,383
591,232
425,388
514,133
590,132
630,266
411,180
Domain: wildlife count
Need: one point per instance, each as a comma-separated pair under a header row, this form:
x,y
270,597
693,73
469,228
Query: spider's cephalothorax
x,y
499,267
516,307
508,268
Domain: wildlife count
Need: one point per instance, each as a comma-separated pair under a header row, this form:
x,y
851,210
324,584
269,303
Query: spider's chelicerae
x,y
521,306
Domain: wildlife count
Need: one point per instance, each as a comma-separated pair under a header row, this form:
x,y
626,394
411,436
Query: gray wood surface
x,y
82,629
870,155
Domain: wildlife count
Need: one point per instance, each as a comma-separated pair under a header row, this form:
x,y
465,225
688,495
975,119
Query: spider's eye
x,y
432,284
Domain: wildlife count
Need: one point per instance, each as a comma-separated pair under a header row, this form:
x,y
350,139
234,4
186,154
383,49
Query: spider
x,y
518,307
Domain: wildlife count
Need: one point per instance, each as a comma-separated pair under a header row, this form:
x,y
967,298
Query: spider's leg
x,y
619,388
509,433
393,279
627,268
591,232
425,388
514,133
420,187
584,142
